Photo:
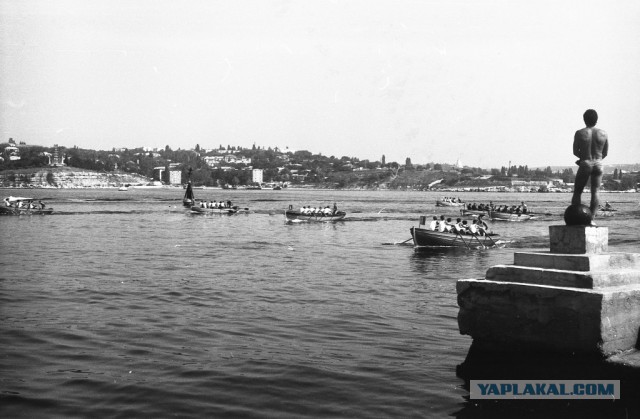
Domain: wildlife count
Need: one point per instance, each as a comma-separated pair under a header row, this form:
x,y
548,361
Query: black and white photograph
x,y
320,209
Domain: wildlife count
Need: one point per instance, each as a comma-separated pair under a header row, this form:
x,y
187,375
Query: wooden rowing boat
x,y
297,216
605,212
498,216
13,209
221,211
25,211
423,237
460,238
443,203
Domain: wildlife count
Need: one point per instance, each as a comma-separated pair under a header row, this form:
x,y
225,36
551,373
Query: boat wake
x,y
102,212
408,242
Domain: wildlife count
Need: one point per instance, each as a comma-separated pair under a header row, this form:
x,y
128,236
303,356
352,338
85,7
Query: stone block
x,y
585,262
578,239
620,322
514,316
563,278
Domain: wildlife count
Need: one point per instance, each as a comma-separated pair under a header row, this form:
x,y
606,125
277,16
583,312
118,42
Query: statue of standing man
x,y
590,145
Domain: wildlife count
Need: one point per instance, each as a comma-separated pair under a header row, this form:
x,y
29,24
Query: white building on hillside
x,y
257,175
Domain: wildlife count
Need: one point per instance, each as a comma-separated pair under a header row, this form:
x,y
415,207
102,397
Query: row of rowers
x,y
522,208
214,204
319,210
460,226
26,204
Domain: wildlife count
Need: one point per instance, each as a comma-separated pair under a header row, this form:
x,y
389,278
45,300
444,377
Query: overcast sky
x,y
483,81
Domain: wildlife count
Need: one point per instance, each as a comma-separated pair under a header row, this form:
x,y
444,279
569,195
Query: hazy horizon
x,y
488,82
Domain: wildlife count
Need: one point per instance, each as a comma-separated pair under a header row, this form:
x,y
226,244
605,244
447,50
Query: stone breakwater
x,y
571,312
68,178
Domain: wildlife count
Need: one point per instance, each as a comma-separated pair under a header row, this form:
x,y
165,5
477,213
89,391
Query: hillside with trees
x,y
232,166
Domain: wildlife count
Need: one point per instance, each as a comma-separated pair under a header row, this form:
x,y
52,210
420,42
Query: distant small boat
x,y
606,212
221,211
123,188
297,216
499,216
445,203
25,209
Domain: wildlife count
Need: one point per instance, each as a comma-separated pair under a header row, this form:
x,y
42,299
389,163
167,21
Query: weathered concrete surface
x,y
563,278
620,319
578,239
572,312
549,318
575,262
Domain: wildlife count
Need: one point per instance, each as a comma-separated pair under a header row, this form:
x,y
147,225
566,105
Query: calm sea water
x,y
122,304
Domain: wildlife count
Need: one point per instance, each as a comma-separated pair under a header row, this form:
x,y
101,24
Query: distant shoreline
x,y
306,188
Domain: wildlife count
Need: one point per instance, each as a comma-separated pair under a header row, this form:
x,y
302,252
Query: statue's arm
x,y
605,149
576,144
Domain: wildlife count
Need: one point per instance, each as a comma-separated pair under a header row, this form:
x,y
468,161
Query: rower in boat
x,y
448,225
473,228
457,226
465,227
319,213
482,230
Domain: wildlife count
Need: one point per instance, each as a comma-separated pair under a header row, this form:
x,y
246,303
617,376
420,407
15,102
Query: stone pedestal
x,y
575,301
578,239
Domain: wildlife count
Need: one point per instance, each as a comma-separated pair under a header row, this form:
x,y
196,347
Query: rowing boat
x,y
443,203
499,216
221,211
424,238
603,212
13,209
25,211
297,216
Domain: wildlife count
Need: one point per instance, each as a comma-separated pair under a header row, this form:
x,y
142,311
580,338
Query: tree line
x,y
296,167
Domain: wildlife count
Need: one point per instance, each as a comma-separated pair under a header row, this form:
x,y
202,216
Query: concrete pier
x,y
567,313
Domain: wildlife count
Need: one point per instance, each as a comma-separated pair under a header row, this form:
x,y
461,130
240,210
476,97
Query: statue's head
x,y
590,117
